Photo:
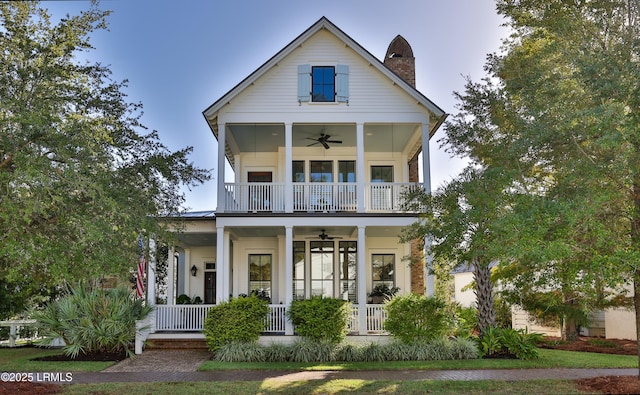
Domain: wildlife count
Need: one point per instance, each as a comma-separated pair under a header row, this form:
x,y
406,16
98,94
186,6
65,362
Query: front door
x,y
209,287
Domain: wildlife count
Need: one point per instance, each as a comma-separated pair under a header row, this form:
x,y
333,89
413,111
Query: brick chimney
x,y
400,60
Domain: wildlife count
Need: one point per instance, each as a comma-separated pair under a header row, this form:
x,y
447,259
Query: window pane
x,y
381,173
348,274
260,274
323,83
383,269
347,171
322,268
298,269
297,170
321,171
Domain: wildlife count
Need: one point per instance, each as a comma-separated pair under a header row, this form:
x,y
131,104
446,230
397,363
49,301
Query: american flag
x,y
142,264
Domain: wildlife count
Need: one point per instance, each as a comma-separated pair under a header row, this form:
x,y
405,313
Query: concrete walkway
x,y
181,366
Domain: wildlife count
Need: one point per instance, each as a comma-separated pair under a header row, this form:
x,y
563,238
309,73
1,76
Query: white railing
x,y
190,318
376,316
385,196
275,319
315,197
181,317
254,197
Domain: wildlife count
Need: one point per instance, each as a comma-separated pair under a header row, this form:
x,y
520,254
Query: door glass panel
x,y
322,268
348,284
260,275
299,253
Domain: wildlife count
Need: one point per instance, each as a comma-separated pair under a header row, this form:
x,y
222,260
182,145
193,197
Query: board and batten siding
x,y
276,92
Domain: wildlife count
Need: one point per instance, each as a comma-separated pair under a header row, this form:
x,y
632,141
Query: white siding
x,y
369,90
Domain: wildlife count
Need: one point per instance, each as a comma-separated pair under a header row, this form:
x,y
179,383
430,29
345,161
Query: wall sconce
x,y
194,270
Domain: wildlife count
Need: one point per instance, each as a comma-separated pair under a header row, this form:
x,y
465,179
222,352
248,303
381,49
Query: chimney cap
x,y
399,48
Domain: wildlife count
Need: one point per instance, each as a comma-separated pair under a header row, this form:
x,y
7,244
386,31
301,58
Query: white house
x,y
323,140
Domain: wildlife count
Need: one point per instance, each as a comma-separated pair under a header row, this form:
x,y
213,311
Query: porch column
x,y
360,167
171,261
288,275
221,266
222,143
288,160
426,180
362,282
151,273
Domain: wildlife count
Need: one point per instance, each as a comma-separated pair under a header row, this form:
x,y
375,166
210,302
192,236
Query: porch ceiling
x,y
347,232
268,137
198,239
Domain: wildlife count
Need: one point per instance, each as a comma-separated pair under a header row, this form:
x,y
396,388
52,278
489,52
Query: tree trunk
x,y
484,295
569,329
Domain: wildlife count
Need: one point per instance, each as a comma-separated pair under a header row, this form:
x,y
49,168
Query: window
x,y
321,171
322,268
381,173
260,274
326,84
323,84
297,168
299,253
383,269
348,285
347,171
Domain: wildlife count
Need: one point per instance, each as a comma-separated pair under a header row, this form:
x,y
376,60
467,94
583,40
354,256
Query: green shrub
x,y
412,318
464,348
517,343
237,320
322,319
312,350
240,352
92,320
277,352
348,353
465,320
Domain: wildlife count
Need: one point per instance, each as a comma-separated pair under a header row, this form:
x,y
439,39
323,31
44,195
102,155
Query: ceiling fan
x,y
324,236
324,140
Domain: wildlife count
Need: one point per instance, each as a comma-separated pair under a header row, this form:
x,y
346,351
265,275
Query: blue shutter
x,y
304,82
342,83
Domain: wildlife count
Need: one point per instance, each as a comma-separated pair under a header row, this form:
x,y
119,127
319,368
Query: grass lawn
x,y
548,359
18,360
331,387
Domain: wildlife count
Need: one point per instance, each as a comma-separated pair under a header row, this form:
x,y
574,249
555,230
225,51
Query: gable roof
x,y
326,24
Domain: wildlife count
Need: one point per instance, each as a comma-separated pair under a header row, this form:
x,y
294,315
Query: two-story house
x,y
323,140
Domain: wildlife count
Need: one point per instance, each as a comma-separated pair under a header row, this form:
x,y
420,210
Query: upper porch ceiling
x,y
268,137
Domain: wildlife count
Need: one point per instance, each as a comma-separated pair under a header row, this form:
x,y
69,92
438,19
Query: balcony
x,y
315,197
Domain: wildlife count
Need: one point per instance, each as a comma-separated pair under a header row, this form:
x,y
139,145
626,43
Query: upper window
x,y
323,84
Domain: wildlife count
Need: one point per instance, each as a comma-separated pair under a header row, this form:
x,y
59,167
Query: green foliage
x,y
277,352
373,352
413,318
185,299
74,155
240,351
236,320
321,318
312,350
465,320
519,343
92,320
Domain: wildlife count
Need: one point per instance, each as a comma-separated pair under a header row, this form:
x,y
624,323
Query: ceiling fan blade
x,y
309,145
324,143
334,141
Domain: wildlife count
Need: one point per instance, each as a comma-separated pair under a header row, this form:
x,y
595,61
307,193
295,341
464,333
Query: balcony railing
x,y
190,318
315,197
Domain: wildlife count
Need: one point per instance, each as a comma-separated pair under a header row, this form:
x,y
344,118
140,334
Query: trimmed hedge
x,y
416,318
237,320
322,319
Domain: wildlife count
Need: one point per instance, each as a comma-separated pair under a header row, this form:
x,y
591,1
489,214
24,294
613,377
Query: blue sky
x,y
181,56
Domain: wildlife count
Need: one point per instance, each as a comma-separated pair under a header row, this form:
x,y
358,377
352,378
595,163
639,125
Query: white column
x,y
288,160
360,167
226,239
221,265
171,279
222,142
288,275
362,281
426,180
426,168
151,273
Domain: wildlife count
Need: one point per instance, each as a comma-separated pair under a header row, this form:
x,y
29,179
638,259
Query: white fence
x,y
315,196
190,318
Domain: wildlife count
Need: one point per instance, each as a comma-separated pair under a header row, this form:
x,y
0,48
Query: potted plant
x,y
382,292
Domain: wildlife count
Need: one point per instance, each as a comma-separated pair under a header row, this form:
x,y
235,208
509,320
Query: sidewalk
x,y
181,366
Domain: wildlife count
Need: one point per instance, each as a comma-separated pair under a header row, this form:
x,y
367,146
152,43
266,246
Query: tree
x,y
459,218
80,177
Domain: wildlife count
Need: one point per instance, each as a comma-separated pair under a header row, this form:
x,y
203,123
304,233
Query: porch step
x,y
175,344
